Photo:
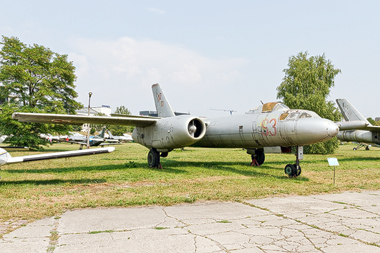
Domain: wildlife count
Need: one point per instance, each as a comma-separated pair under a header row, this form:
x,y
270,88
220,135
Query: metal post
x,y
334,175
88,131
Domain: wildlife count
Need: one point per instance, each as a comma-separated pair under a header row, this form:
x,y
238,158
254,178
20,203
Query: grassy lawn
x,y
47,188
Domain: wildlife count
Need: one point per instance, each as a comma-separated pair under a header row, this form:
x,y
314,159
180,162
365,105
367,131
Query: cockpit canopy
x,y
288,114
269,107
298,114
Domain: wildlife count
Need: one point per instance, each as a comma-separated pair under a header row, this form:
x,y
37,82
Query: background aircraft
x,y
97,140
6,158
124,138
367,134
269,125
2,138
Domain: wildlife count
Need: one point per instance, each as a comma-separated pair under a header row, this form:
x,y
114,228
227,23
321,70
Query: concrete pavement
x,y
347,222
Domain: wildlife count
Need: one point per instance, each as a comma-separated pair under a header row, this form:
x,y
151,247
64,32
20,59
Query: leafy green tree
x,y
307,85
119,130
372,121
37,80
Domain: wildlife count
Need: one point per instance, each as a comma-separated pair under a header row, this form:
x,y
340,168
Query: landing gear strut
x,y
294,170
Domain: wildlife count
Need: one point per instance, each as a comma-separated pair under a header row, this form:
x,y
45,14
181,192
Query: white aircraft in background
x,y
125,137
365,135
97,140
6,158
2,138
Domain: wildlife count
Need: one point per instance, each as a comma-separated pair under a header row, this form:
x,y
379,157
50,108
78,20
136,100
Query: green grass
x,y
47,188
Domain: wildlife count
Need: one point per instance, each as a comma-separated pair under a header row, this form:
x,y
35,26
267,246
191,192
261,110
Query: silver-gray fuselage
x,y
278,126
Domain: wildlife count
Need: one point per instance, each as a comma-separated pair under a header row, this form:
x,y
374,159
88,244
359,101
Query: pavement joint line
x,y
310,225
54,236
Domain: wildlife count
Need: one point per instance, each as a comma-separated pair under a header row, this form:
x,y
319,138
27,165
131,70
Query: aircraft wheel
x,y
354,149
259,156
290,170
153,158
367,148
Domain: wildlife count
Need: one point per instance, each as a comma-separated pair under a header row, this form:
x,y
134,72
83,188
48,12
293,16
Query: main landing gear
x,y
154,158
258,157
294,170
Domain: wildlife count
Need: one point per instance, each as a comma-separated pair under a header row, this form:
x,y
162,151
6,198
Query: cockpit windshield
x,y
273,106
298,115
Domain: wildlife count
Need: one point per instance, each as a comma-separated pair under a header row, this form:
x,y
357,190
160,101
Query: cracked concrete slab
x,y
346,222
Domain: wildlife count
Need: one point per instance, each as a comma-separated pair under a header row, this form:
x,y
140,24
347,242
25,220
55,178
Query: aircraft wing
x,y
108,143
352,125
65,154
371,128
139,121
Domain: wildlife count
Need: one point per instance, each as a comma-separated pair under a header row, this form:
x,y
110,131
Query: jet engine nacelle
x,y
172,132
359,136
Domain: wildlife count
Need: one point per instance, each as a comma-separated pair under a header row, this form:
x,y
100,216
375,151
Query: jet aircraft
x,y
97,140
6,158
269,125
2,138
124,138
367,133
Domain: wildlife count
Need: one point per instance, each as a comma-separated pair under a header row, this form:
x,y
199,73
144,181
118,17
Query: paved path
x,y
347,222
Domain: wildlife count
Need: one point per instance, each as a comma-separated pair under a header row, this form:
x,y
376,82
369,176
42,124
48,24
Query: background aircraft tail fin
x,y
162,104
101,135
350,113
110,134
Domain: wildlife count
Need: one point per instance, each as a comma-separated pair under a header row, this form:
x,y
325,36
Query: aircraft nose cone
x,y
332,129
315,130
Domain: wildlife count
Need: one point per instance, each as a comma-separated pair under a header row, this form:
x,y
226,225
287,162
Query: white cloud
x,y
158,11
114,68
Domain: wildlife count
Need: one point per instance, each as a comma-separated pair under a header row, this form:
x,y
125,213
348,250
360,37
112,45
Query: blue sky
x,y
205,54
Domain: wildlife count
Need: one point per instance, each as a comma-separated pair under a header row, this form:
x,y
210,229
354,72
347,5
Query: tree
x,y
307,85
37,80
119,130
373,122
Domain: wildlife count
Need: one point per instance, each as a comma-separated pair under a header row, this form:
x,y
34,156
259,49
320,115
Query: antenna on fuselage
x,y
231,111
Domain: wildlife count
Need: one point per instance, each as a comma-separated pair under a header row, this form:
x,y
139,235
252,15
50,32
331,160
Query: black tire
x,y
259,156
153,158
354,149
290,170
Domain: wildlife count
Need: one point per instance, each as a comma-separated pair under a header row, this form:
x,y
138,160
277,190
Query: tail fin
x,y
162,104
349,111
101,135
110,134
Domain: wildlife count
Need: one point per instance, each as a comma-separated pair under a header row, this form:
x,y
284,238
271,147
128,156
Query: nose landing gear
x,y
294,170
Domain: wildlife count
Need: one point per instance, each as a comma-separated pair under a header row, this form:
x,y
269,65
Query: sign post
x,y
333,162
